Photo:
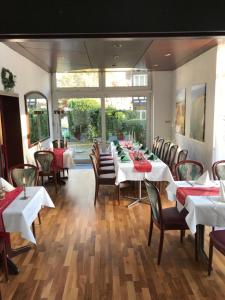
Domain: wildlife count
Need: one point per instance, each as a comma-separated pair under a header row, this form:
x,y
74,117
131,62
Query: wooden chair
x,y
188,170
96,145
103,179
62,144
165,151
218,170
101,161
164,218
217,239
155,144
172,156
104,169
182,155
159,147
45,161
30,173
4,258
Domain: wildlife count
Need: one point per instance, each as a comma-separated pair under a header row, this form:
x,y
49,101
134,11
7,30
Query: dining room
x,y
113,185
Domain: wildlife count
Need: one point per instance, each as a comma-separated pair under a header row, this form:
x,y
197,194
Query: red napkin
x,y
142,165
9,197
183,192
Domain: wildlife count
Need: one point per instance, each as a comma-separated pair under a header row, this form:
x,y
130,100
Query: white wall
x,y
200,70
162,103
29,77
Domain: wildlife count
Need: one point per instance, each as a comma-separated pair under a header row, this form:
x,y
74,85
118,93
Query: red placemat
x,y
183,192
142,165
4,203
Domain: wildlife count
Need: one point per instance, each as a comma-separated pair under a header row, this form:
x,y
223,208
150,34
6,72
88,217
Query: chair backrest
x,y
21,171
62,144
165,151
172,155
155,201
218,170
159,147
182,155
94,164
45,160
188,170
155,144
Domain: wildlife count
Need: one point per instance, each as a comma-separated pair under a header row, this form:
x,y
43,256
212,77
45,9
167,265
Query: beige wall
x,y
200,70
29,77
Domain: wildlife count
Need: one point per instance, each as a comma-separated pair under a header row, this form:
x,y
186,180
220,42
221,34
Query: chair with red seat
x,y
164,218
217,240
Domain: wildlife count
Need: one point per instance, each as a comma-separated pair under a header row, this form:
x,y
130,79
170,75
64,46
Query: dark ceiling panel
x,y
66,55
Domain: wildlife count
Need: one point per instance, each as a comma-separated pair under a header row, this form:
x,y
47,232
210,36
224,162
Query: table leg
x,y
139,198
200,243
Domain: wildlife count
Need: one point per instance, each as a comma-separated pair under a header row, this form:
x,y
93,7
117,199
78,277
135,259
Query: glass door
x,y
81,124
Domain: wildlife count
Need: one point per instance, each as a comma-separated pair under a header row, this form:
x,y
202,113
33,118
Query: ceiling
x,y
66,55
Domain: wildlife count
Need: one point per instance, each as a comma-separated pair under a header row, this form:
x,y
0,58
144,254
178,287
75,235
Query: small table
x,y
202,210
19,216
125,171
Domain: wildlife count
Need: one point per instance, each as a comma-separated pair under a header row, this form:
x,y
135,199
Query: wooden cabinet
x,y
11,147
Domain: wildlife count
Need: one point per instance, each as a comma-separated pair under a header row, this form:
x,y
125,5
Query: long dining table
x,y
125,171
204,206
19,215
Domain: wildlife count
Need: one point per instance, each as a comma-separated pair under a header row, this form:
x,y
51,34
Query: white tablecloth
x,y
205,210
68,158
20,214
125,171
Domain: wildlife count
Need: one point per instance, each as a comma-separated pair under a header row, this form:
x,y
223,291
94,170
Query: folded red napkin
x,y
142,165
183,192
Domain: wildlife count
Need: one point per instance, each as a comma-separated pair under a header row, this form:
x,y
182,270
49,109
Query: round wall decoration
x,y
8,79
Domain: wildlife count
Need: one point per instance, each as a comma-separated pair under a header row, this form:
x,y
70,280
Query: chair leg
x,y
196,246
160,245
118,194
150,231
39,218
55,182
4,264
210,256
182,235
96,192
42,180
33,229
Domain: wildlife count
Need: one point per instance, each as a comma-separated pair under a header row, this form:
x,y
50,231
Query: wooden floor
x,y
87,252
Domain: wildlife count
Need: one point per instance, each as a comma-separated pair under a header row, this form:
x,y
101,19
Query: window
x,y
125,78
77,79
37,114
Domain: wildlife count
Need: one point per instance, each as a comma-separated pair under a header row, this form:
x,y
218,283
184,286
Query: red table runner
x,y
59,157
4,203
183,192
142,165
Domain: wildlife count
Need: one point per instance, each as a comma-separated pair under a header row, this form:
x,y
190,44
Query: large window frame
x,y
103,92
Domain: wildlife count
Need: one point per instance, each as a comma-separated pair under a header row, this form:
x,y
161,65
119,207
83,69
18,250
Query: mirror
x,y
36,106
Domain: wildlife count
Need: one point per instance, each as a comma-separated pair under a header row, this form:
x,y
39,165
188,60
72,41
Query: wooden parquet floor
x,y
87,252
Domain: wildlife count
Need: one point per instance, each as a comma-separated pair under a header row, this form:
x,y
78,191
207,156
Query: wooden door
x,y
11,131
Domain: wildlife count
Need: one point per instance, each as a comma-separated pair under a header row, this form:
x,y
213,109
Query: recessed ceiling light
x,y
116,57
117,45
167,54
155,65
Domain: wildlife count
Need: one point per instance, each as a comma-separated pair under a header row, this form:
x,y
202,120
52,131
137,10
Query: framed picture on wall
x,y
197,116
180,111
